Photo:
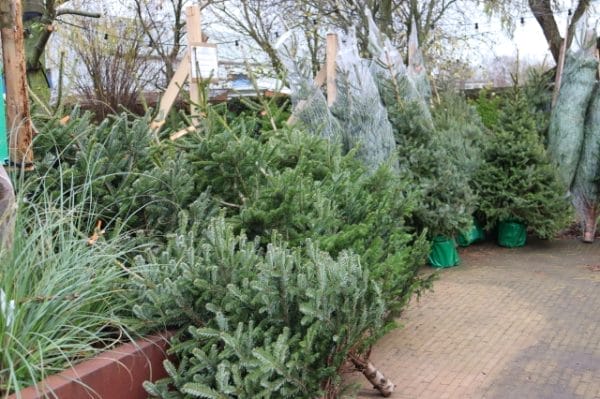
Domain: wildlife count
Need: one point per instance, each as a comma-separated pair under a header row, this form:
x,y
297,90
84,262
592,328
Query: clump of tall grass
x,y
62,296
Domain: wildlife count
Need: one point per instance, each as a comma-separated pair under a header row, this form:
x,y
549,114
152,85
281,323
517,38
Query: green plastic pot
x,y
476,234
443,253
512,234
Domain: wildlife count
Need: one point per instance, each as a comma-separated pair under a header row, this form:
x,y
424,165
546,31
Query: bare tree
x,y
163,26
545,13
260,20
39,25
116,67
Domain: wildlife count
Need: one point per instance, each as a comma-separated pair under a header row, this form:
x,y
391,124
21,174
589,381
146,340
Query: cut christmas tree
x,y
516,182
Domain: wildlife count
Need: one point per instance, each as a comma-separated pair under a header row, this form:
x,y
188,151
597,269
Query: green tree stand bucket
x,y
474,235
511,234
443,253
3,133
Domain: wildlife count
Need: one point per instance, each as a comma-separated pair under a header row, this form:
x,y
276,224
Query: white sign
x,y
205,63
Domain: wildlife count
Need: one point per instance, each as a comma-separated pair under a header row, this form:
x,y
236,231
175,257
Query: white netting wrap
x,y
566,132
391,75
309,104
359,109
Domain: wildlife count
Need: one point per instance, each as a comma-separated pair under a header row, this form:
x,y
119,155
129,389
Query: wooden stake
x,y
182,132
330,66
561,65
17,101
168,98
194,32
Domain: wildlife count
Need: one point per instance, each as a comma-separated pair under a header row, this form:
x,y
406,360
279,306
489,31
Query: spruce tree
x,y
448,201
278,323
516,180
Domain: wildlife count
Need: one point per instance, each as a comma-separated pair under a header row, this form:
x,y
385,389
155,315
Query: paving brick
x,y
506,323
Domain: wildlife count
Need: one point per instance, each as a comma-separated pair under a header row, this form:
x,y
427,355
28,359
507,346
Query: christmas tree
x,y
516,180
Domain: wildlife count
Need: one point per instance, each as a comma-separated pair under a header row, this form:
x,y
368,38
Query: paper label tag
x,y
205,63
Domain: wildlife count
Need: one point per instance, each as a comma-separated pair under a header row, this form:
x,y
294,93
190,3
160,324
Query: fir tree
x,y
448,201
516,180
272,325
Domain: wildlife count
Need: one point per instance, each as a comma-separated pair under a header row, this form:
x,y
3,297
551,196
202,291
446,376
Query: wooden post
x,y
194,32
166,102
7,210
561,65
17,101
330,66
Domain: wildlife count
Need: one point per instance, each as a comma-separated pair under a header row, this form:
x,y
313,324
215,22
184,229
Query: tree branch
x,y
69,11
542,11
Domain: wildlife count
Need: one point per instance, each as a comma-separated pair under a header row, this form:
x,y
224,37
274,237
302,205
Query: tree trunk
x,y
17,101
589,224
542,11
375,377
7,209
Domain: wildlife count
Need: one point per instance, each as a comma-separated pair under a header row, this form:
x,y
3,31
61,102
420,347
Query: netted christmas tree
x,y
516,181
423,152
566,132
574,134
586,186
359,109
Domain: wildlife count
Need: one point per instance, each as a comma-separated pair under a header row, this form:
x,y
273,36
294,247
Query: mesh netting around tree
x,y
308,102
566,132
586,186
393,79
359,109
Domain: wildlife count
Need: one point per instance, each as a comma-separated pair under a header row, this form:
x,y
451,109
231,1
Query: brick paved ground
x,y
507,323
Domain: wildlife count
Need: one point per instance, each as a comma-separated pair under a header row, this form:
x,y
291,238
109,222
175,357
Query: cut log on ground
x,y
375,377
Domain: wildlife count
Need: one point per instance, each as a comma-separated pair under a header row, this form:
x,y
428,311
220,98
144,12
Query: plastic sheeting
x,y
443,253
475,234
511,234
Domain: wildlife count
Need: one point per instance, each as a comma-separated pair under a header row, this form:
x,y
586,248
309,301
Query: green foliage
x,y
447,201
461,131
488,106
516,180
272,325
131,180
270,181
61,300
538,92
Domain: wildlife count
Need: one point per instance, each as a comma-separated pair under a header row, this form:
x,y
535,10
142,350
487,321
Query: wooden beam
x,y
173,89
331,67
182,132
194,33
17,100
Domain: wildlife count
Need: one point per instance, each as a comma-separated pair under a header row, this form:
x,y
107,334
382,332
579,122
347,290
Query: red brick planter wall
x,y
114,374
